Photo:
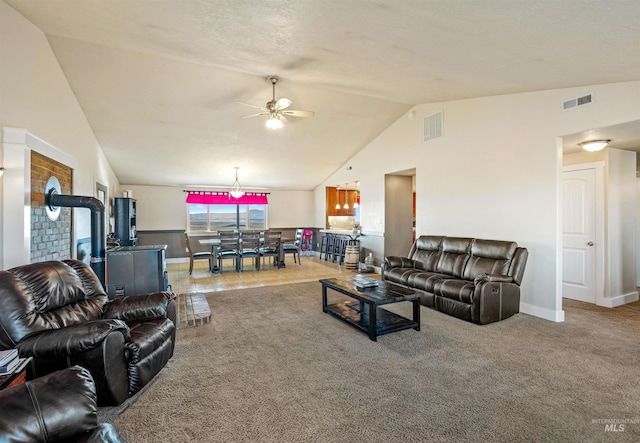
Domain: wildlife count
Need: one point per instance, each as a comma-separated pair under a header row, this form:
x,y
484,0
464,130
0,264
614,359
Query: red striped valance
x,y
223,198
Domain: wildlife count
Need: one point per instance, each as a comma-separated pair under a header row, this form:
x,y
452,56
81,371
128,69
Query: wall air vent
x,y
577,102
433,126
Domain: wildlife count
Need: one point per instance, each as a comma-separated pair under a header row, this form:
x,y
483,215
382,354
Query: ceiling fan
x,y
277,109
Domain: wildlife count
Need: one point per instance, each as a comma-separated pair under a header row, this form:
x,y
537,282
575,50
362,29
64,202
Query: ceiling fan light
x,y
274,123
594,145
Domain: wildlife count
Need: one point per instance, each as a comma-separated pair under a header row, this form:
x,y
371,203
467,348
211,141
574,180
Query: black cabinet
x,y
135,270
125,215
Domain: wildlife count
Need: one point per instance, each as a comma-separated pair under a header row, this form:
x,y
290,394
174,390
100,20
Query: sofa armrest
x,y
495,297
139,307
496,278
72,340
60,406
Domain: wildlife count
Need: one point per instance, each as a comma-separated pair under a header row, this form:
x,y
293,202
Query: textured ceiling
x,y
159,80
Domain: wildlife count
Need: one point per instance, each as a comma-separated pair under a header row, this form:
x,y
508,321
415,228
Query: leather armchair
x,y
58,313
58,407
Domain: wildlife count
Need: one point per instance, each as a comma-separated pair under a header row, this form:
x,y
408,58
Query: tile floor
x,y
201,280
191,304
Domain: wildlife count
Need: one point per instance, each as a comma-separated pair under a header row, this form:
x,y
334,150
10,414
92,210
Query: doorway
x,y
399,212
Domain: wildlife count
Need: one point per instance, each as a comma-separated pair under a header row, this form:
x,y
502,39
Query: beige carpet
x,y
271,367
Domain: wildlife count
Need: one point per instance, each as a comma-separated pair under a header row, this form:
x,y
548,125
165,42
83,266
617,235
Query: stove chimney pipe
x,y
98,237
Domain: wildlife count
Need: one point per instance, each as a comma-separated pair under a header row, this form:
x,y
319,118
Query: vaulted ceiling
x,y
159,81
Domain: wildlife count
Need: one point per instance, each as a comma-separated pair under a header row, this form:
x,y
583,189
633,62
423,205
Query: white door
x,y
578,235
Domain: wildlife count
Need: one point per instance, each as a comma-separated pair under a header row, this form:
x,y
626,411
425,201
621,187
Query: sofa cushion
x,y
400,275
489,257
425,281
454,289
42,296
426,252
454,256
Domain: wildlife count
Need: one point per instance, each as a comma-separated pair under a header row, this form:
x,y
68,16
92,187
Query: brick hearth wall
x,y
50,240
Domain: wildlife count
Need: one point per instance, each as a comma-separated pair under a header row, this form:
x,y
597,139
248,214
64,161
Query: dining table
x,y
214,243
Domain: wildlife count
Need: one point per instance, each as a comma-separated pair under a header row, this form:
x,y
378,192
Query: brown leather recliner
x,y
58,313
58,407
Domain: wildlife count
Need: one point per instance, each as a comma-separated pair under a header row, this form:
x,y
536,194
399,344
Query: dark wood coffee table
x,y
363,314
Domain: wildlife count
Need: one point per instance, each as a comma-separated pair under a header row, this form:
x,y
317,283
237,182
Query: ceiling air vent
x,y
433,126
577,102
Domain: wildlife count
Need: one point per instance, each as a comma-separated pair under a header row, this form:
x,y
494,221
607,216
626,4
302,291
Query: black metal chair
x,y
271,247
250,248
197,255
294,248
229,248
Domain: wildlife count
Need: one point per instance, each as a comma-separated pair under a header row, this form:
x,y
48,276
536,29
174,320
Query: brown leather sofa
x,y
472,279
58,313
58,407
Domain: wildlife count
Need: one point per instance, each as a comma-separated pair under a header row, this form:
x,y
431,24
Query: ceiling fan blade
x,y
262,108
296,113
283,103
256,115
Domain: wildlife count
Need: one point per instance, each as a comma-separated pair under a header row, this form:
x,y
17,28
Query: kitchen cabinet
x,y
334,197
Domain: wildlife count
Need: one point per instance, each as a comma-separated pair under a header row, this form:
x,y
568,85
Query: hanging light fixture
x,y
236,190
594,145
356,204
274,122
338,197
346,197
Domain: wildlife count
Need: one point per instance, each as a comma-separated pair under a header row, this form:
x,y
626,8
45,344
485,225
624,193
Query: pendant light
x,y
356,204
338,196
236,190
346,197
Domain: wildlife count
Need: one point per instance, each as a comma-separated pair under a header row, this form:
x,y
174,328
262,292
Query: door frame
x,y
599,208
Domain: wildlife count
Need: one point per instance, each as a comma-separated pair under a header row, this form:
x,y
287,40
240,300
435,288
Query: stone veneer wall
x,y
50,240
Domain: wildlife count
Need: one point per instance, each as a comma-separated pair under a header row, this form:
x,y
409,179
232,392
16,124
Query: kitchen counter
x,y
347,232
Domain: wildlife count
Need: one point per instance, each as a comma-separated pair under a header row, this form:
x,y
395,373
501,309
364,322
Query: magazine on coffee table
x,y
364,282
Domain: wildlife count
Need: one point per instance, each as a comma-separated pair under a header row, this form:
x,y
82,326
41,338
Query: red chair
x,y
306,246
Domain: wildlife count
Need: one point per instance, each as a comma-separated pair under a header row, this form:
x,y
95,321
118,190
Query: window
x,y
203,218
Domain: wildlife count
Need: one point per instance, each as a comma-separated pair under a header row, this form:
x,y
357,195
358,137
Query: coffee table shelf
x,y
363,311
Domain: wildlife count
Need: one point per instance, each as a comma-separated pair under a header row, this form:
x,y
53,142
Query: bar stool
x,y
326,245
339,248
306,247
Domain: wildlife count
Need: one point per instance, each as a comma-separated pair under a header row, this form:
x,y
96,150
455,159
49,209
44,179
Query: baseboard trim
x,y
547,314
612,302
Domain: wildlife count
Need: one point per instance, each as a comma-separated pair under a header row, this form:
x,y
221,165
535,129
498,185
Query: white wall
x,y
164,208
494,174
638,232
35,95
621,225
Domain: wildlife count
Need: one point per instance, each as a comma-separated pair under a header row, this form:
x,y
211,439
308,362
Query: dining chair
x,y
229,248
294,248
197,255
250,248
271,246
